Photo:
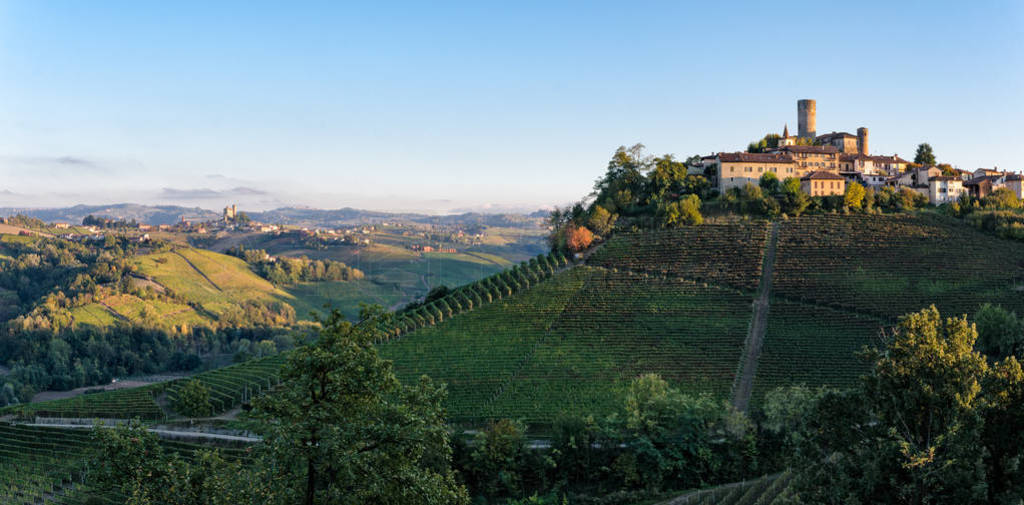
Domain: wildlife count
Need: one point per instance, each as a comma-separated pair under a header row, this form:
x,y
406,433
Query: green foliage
x,y
683,212
769,183
913,432
130,461
854,196
342,429
1001,199
601,221
1000,332
193,400
285,271
924,155
501,465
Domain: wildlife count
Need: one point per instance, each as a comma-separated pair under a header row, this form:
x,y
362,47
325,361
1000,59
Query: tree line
x,y
285,271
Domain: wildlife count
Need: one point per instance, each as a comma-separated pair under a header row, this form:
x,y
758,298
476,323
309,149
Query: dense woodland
x,y
42,280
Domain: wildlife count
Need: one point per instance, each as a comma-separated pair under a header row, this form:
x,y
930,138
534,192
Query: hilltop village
x,y
826,163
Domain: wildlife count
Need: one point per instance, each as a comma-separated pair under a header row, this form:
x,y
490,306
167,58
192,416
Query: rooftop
x,y
755,157
822,175
810,149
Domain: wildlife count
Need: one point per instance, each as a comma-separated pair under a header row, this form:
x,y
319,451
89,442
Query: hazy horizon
x,y
441,108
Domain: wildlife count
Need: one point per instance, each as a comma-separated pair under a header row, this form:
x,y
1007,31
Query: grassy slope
x,y
215,282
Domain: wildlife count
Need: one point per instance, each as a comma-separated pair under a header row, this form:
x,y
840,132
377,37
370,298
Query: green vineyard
x,y
41,464
891,265
727,254
229,387
679,303
567,344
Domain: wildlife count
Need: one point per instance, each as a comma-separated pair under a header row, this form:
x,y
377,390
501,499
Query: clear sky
x,y
438,107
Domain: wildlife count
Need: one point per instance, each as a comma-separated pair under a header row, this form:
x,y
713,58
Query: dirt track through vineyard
x,y
758,325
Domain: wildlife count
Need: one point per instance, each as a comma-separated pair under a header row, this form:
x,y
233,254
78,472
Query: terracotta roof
x,y
755,157
943,178
810,149
822,175
872,158
984,178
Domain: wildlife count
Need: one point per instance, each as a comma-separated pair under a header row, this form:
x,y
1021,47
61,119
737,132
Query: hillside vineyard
x,y
678,303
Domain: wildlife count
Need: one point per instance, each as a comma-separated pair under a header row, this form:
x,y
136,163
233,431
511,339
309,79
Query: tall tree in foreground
x,y
931,424
342,430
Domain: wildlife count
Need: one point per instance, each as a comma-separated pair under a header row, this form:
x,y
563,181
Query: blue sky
x,y
416,106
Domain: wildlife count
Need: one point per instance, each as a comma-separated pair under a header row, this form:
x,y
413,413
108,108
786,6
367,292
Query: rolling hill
x,y
680,303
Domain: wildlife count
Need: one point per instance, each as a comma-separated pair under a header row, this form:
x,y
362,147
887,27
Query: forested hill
x,y
678,302
81,313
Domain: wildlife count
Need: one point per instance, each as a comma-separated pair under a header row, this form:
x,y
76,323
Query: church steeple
x,y
785,131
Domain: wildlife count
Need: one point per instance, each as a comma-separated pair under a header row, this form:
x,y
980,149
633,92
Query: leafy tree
x,y
130,461
854,196
683,212
793,201
665,178
769,183
675,438
602,221
1000,332
501,464
193,400
924,155
913,432
1001,198
342,430
578,238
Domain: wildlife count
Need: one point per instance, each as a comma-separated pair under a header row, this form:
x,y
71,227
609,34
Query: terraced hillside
x,y
679,303
229,387
565,344
894,264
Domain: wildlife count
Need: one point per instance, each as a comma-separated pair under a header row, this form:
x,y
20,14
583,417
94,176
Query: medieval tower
x,y
806,121
862,140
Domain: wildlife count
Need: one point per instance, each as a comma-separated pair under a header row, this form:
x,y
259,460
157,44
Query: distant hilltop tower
x,y
862,140
230,212
807,123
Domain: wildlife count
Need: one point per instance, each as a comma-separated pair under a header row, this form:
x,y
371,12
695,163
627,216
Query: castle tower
x,y
785,131
806,118
862,140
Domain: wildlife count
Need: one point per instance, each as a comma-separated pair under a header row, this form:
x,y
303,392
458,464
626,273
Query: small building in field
x,y
945,189
822,183
61,226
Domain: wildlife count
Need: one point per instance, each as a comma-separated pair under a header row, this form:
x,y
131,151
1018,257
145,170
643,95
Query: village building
x,y
1015,183
822,183
735,170
945,189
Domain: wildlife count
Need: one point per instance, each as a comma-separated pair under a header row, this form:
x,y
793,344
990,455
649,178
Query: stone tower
x,y
862,140
806,120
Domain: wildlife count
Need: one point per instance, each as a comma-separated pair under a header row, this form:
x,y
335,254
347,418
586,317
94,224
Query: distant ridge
x,y
298,216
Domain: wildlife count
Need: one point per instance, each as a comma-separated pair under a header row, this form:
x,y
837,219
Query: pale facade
x,y
1015,183
945,189
735,170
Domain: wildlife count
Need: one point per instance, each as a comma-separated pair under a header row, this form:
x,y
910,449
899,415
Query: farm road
x,y
200,272
758,326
